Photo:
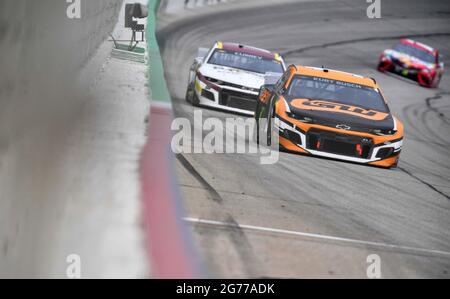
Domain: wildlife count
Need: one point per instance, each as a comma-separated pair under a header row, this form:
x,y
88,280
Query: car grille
x,y
400,67
232,85
295,138
341,144
238,100
238,86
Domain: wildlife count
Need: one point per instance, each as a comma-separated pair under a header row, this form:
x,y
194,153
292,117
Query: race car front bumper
x,y
319,141
423,77
226,97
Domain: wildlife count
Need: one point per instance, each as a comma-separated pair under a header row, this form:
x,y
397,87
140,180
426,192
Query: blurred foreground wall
x,y
42,53
37,39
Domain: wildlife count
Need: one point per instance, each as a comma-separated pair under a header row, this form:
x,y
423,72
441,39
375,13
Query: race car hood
x,y
335,114
408,61
232,75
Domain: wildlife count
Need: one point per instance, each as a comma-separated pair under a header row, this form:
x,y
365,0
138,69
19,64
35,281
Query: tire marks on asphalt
x,y
214,195
234,232
424,182
436,97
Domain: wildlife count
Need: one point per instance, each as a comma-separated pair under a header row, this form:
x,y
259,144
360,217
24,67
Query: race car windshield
x,y
316,88
415,52
245,62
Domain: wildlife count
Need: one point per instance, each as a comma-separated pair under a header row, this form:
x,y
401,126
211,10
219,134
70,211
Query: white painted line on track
x,y
316,236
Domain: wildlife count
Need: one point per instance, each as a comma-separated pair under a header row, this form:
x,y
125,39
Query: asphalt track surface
x,y
403,215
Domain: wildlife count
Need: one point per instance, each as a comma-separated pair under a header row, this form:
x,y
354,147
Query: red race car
x,y
415,61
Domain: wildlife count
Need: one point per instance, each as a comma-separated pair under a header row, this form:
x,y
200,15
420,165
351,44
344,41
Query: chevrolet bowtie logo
x,y
343,127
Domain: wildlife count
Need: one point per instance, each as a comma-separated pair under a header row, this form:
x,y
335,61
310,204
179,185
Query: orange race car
x,y
331,114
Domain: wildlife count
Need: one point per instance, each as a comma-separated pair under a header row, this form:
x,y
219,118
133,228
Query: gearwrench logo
x,y
235,135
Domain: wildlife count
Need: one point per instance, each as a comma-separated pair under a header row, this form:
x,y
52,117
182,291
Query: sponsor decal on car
x,y
336,107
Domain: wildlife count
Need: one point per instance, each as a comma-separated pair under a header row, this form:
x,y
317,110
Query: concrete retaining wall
x,y
42,54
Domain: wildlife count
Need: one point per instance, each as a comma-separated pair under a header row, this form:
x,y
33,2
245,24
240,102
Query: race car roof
x,y
248,50
335,75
